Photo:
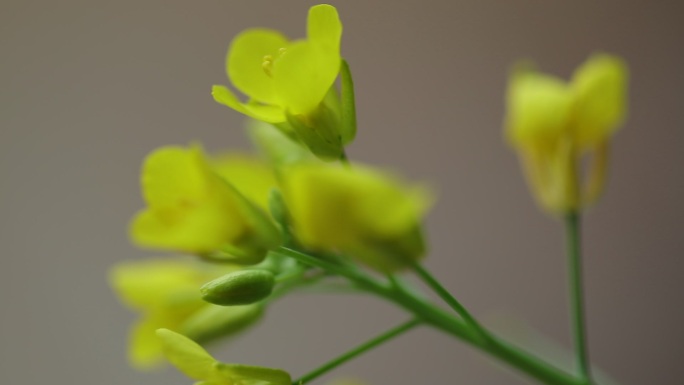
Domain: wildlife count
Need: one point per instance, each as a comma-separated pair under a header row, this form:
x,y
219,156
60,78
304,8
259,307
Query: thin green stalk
x,y
388,335
444,294
445,321
572,226
344,159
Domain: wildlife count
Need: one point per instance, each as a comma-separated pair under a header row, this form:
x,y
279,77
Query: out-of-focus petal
x,y
538,108
600,87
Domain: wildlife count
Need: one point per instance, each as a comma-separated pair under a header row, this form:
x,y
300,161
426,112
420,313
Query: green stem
x,y
572,226
357,351
444,294
445,321
344,159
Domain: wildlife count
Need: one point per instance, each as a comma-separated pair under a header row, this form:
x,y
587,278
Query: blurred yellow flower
x,y
167,294
362,212
554,124
191,208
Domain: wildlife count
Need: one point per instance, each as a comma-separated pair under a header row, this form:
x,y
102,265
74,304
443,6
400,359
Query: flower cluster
x,y
240,219
232,211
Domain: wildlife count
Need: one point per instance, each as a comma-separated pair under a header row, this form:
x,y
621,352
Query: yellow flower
x,y
367,214
291,83
554,125
196,363
191,208
167,294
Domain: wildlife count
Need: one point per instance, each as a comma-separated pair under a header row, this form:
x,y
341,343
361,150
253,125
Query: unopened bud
x,y
213,322
239,288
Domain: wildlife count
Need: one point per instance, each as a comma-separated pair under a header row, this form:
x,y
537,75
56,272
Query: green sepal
x,y
320,132
278,143
255,374
348,126
239,288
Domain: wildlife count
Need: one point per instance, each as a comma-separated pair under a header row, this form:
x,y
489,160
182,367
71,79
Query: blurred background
x,y
87,88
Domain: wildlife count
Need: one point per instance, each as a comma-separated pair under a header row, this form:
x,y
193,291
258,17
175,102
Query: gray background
x,y
87,88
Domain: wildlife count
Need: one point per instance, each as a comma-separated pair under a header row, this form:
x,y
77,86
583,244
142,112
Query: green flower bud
x,y
213,322
239,288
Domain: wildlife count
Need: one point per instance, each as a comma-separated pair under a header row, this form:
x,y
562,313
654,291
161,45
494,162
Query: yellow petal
x,y
334,207
205,228
189,207
266,113
388,206
538,110
144,348
324,27
600,87
303,75
245,62
173,174
156,283
320,204
187,356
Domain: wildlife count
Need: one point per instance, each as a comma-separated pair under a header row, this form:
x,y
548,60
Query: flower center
x,y
267,64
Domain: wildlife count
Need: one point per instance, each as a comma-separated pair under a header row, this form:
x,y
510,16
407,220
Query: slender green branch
x,y
445,321
388,335
444,294
344,159
572,226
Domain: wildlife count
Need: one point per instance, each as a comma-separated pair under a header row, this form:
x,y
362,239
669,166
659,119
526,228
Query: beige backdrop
x,y
87,88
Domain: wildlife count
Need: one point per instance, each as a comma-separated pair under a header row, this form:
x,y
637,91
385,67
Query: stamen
x,y
267,65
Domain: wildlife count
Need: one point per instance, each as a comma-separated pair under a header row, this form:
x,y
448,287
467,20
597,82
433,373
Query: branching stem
x,y
388,335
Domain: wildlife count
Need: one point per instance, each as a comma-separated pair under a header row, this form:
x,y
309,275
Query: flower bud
x,y
239,288
213,322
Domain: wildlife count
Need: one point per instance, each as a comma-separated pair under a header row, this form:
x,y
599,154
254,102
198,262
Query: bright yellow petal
x,y
324,27
187,356
245,62
600,87
303,75
266,113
